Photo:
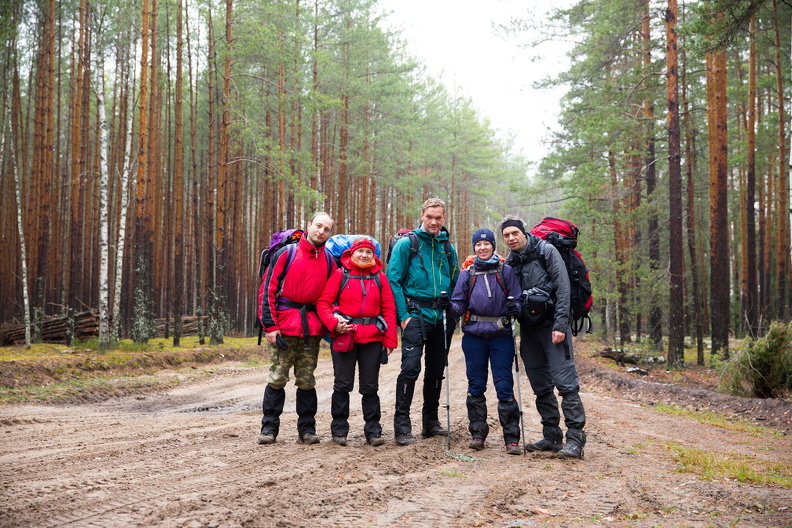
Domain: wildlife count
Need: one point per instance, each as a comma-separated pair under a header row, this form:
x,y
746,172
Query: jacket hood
x,y
532,250
348,263
471,260
307,246
442,235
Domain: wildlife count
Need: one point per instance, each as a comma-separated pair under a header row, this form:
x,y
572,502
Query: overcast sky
x,y
456,42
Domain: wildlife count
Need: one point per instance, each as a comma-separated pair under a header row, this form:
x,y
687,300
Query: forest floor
x,y
663,450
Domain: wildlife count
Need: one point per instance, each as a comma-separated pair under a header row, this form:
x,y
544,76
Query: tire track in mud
x,y
188,457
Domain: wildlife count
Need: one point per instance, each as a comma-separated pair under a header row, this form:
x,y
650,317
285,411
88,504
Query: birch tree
x,y
105,336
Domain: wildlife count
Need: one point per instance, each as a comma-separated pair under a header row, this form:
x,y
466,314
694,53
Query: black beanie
x,y
484,234
512,223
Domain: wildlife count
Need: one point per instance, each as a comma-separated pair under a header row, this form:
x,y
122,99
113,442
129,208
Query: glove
x,y
512,310
444,301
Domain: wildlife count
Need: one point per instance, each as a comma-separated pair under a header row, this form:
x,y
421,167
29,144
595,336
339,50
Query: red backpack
x,y
563,234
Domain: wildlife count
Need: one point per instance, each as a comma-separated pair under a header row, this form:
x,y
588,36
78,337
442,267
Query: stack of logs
x,y
86,326
164,327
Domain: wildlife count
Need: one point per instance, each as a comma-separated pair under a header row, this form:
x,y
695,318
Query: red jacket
x,y
303,282
352,303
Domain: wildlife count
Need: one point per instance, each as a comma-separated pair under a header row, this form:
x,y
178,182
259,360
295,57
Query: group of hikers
x,y
305,294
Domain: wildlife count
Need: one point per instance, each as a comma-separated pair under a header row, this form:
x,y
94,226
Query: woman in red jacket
x,y
358,306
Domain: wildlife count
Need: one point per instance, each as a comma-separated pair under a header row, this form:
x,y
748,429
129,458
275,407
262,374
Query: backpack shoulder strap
x,y
291,251
543,252
501,280
330,262
262,265
473,273
346,276
413,245
344,279
449,253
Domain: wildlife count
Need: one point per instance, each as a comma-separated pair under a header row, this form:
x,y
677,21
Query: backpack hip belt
x,y
284,303
362,320
473,318
377,321
414,304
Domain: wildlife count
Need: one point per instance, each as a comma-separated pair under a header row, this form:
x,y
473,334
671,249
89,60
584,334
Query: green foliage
x,y
764,368
710,465
717,24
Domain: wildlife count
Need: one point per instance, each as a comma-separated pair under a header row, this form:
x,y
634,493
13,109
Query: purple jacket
x,y
484,301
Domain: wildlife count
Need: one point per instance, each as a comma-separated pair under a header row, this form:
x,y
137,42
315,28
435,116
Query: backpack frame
x,y
563,235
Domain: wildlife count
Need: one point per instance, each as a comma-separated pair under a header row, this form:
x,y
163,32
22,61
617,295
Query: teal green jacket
x,y
422,277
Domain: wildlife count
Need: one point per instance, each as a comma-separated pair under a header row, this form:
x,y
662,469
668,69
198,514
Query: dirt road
x,y
188,458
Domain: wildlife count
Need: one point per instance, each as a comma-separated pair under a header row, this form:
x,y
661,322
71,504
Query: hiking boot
x,y
340,440
405,439
266,438
375,441
571,450
309,438
433,430
513,449
544,445
476,443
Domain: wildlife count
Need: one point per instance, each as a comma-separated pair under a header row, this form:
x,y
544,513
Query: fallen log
x,y
86,325
622,358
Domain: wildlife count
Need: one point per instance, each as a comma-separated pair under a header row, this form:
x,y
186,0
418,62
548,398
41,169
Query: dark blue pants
x,y
480,353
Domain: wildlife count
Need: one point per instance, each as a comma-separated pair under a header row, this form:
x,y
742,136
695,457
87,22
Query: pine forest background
x,y
150,147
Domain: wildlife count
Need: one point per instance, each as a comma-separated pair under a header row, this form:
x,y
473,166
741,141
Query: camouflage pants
x,y
304,362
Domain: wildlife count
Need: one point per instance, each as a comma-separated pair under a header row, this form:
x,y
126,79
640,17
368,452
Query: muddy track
x,y
188,458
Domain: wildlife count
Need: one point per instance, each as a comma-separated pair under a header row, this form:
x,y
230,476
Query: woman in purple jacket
x,y
481,297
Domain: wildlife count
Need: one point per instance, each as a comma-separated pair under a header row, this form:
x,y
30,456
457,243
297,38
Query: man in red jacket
x,y
292,285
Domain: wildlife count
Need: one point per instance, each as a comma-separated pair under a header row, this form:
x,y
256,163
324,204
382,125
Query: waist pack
x,y
538,308
345,342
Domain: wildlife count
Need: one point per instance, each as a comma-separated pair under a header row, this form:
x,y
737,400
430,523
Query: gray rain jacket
x,y
550,276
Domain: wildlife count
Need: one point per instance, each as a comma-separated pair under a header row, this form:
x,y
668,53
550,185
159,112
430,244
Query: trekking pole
x,y
448,380
517,370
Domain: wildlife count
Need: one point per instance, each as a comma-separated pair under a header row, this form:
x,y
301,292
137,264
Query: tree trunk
x,y
621,257
783,244
12,154
104,213
750,291
178,187
655,311
718,182
126,205
676,333
141,318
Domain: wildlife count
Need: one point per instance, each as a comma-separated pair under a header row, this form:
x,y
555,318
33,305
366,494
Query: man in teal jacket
x,y
423,265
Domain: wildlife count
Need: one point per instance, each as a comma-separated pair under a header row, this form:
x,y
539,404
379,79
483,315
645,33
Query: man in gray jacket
x,y
546,339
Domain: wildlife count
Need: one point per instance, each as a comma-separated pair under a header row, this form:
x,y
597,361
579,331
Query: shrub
x,y
764,368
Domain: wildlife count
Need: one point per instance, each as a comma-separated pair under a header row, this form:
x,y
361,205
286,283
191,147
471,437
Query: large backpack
x,y
280,241
277,240
337,244
563,234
